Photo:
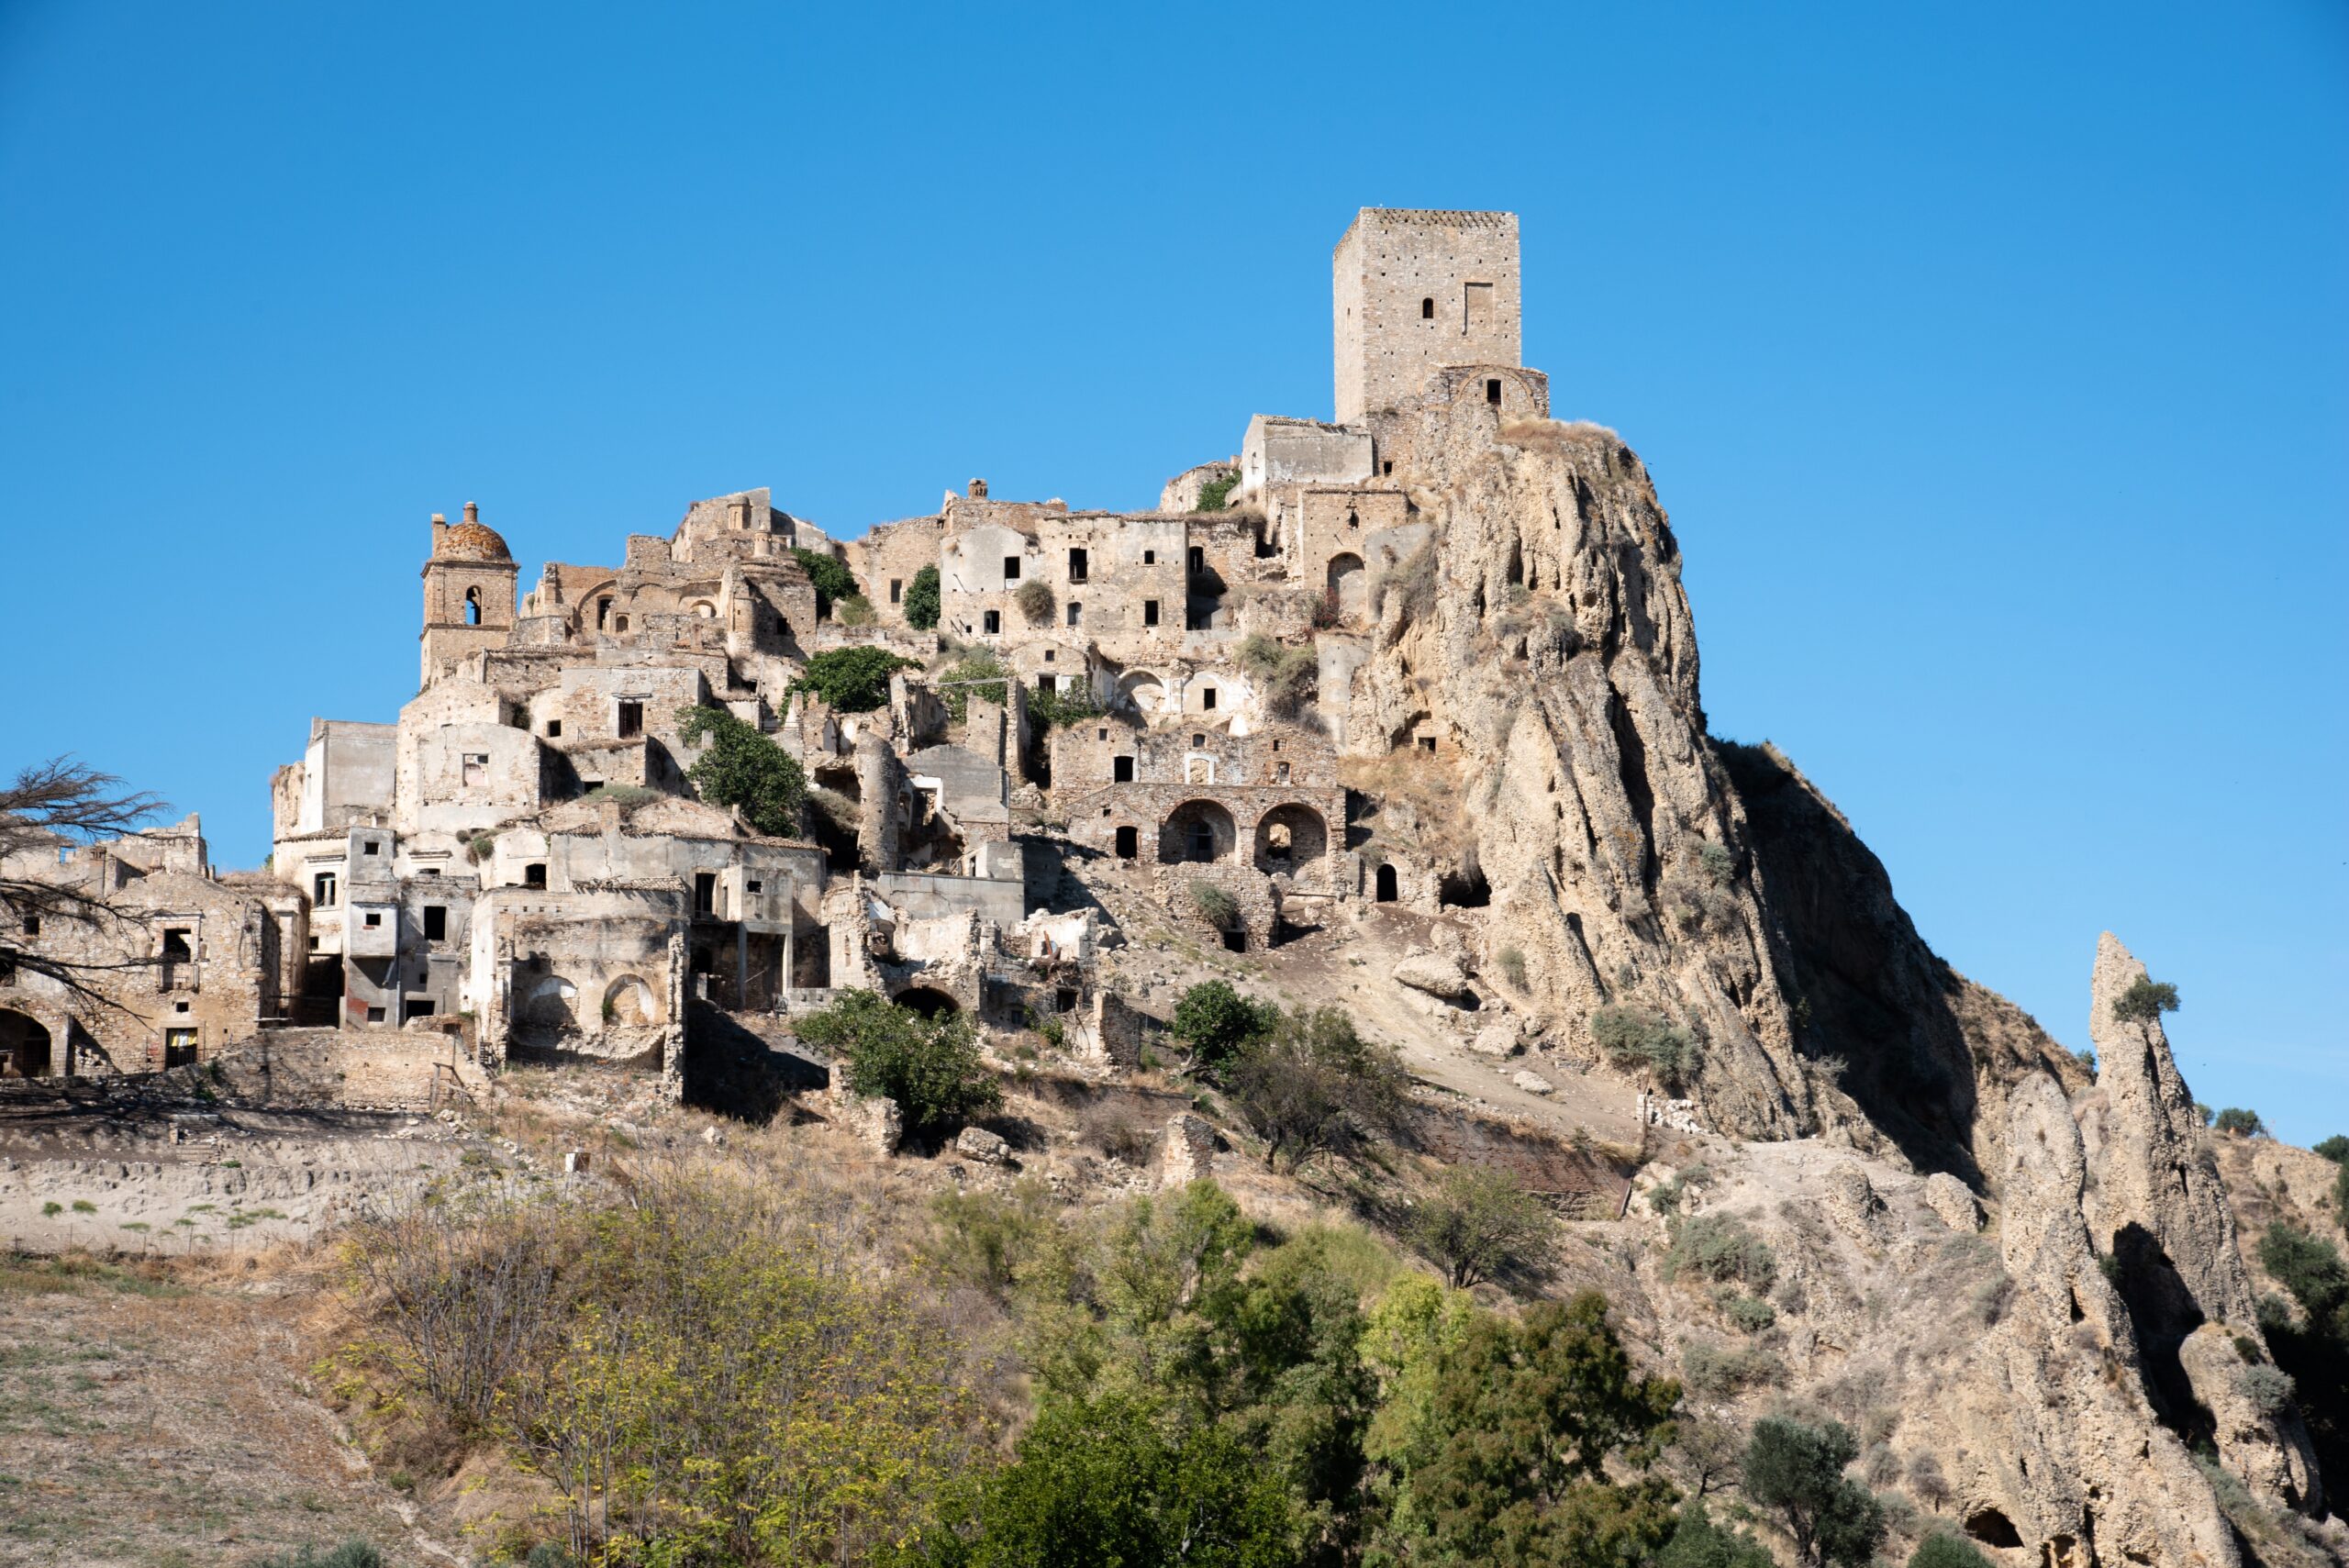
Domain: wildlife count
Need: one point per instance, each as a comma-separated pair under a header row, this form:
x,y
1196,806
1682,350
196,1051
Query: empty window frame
x,y
1150,612
631,718
1492,391
896,590
436,922
474,767
704,893
1076,565
1011,569
1427,309
323,888
175,944
554,729
1121,770
534,874
603,615
372,919
1076,612
991,621
472,606
1150,558
1207,699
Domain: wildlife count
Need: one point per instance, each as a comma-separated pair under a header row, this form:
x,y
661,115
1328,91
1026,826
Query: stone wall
x,y
1413,291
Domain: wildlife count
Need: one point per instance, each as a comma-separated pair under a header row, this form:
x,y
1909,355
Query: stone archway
x,y
629,1002
928,1001
1142,690
1290,838
24,1046
1386,886
1348,587
1199,832
550,1004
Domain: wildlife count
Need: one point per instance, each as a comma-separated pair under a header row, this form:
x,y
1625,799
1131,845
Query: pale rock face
x,y
1434,974
878,1123
2268,1450
1532,1083
986,1147
1854,1207
1948,1197
1500,1041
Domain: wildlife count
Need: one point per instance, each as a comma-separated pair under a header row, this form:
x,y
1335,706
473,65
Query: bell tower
x,y
468,592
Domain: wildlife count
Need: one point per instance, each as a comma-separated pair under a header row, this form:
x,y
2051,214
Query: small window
x,y
179,1007
1427,743
619,623
375,1014
896,590
1150,558
1280,772
32,922
1198,739
1121,770
754,885
1075,612
1047,655
1011,569
322,890
1048,683
1276,745
1387,467
1199,561
1150,612
428,871
1207,698
472,606
175,944
371,846
372,919
1427,310
534,874
1354,519
1104,735
1076,566
704,893
1493,390
554,729
436,922
632,719
991,622
476,768
603,614
1129,843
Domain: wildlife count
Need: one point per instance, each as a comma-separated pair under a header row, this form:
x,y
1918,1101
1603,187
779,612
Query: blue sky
x,y
1992,361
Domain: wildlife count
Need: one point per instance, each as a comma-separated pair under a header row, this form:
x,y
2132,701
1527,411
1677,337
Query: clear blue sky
x,y
1992,361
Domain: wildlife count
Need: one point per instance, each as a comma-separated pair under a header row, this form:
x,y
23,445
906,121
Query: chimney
x,y
439,531
473,511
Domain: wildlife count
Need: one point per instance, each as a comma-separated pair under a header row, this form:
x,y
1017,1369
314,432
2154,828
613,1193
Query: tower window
x,y
1076,566
1492,391
472,606
1011,569
1199,561
1150,612
1427,310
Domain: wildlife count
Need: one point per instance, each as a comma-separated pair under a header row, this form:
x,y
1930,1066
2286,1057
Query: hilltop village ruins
x,y
518,860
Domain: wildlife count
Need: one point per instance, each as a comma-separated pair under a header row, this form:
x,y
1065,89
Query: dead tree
x,y
52,808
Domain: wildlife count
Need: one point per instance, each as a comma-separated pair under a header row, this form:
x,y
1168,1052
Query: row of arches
x,y
553,1003
1287,839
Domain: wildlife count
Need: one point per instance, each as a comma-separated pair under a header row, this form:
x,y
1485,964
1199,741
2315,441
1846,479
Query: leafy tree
x,y
1058,707
921,600
1477,1223
1943,1550
1530,1427
977,674
1797,1471
1213,1021
830,575
2314,1350
1698,1542
743,768
1121,1483
853,680
931,1067
2336,1147
1312,1086
2241,1123
2145,1001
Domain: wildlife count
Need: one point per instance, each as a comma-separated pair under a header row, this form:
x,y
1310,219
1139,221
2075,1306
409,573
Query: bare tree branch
x,y
51,809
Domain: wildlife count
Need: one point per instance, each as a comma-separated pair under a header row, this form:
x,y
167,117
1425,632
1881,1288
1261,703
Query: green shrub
x,y
2086,1057
854,610
931,1067
1056,707
1941,1549
1747,1314
2336,1147
2145,1000
830,575
921,600
1797,1472
977,674
1698,1542
853,680
483,846
2238,1121
741,767
1717,1372
1034,598
2204,1114
1512,963
1215,905
351,1554
1285,676
1719,863
1635,1039
2269,1390
1216,494
1717,1248
1477,1224
630,796
1213,1021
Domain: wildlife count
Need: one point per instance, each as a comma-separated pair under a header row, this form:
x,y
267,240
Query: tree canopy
x,y
830,575
742,767
931,1067
921,604
853,680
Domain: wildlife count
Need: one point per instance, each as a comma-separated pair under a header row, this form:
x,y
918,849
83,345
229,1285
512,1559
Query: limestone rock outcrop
x,y
1948,1197
1432,973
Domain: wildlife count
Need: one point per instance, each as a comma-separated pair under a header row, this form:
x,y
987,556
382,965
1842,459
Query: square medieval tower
x,y
1411,292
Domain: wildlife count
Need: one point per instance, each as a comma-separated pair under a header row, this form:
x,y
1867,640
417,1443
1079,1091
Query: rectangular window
x,y
603,614
1280,772
1076,566
1207,699
1477,313
1199,561
534,875
322,890
476,768
32,924
896,590
179,1047
1121,770
1492,391
554,729
371,847
1075,613
631,718
1150,558
991,622
1150,612
375,1014
754,885
436,923
417,1008
1427,743
705,892
1011,569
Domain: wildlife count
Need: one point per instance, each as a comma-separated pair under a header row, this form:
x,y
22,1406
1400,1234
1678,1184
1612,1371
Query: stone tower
x,y
468,592
1412,292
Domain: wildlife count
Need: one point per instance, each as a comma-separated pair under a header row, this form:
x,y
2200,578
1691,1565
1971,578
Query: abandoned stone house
x,y
521,846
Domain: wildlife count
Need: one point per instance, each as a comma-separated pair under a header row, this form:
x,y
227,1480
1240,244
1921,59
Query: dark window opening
x,y
1463,890
1047,655
1121,770
1427,743
619,623
1150,612
1150,558
1075,615
1011,569
534,874
1129,843
1354,519
700,962
603,614
175,944
417,1008
371,847
705,892
32,924
554,729
436,923
1427,310
1492,391
896,590
1199,561
991,622
1076,566
372,919
1198,739
1280,772
1387,467
1235,941
322,890
472,606
375,1014
1387,885
1207,699
179,1045
1064,1000
632,719
754,885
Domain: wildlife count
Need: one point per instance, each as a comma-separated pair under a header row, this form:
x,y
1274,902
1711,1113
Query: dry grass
x,y
1429,788
1565,437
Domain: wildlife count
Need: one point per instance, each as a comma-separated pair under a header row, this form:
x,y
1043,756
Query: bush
x,y
1285,676
2145,1001
1477,1224
1058,707
1747,1314
1513,964
977,674
2269,1391
1034,598
1698,1542
1717,1372
1216,494
1118,1132
1634,1041
854,610
1941,1549
1797,1472
484,845
1214,1021
931,1067
830,575
351,1554
2086,1057
742,767
1216,907
2238,1122
1717,1248
2336,1147
921,603
1719,863
853,680
1313,1086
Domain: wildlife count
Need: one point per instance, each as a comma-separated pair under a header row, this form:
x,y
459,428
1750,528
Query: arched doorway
x,y
1386,883
1198,830
627,1001
24,1046
1290,838
1348,586
548,1003
1142,690
1129,842
926,1001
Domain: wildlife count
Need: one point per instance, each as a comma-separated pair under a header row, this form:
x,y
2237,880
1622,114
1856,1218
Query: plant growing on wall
x,y
830,575
977,673
1215,495
744,768
921,599
853,680
1034,598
